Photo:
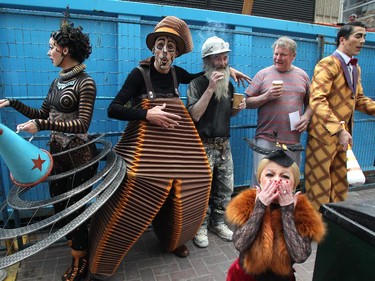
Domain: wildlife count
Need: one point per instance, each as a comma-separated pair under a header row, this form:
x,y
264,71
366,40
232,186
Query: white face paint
x,y
165,51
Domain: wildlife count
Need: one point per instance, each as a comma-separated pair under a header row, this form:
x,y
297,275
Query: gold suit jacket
x,y
333,98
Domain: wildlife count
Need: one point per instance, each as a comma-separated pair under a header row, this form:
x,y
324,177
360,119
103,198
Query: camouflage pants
x,y
221,164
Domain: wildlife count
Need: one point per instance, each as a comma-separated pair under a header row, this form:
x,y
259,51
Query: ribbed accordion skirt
x,y
167,184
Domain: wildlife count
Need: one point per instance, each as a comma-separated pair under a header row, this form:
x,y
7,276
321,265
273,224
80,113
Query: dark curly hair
x,y
73,38
347,30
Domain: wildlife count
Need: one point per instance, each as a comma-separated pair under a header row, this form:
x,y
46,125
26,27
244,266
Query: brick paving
x,y
146,261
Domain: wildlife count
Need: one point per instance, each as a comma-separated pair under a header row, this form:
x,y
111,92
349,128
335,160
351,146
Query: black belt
x,y
215,141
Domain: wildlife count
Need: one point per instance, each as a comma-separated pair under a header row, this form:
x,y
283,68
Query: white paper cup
x,y
278,83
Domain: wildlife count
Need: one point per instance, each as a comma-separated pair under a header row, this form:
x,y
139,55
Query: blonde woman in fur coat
x,y
274,226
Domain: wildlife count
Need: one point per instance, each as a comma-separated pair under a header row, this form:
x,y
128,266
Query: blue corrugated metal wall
x,y
117,31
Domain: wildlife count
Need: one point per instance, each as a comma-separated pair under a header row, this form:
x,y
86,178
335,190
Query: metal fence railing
x,y
118,33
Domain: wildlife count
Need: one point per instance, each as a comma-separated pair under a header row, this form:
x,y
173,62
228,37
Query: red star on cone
x,y
38,163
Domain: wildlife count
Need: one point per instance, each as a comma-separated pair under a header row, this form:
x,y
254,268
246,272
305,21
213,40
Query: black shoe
x,y
182,251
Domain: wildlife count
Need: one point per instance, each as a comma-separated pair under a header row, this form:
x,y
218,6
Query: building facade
x,y
364,9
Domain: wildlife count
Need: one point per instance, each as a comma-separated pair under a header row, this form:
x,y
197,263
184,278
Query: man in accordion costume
x,y
168,176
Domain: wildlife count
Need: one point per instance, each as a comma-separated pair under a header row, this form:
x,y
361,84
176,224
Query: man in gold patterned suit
x,y
336,91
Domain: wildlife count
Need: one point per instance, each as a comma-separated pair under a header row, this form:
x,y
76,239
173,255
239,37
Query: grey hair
x,y
286,42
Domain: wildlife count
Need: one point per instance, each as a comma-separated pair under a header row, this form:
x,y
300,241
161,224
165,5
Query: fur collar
x,y
269,251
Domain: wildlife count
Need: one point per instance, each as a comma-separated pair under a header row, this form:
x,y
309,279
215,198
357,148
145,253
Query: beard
x,y
221,85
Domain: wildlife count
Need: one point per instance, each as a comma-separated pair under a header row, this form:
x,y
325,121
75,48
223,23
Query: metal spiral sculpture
x,y
24,232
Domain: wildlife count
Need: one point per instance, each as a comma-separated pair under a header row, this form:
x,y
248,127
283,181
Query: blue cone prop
x,y
28,165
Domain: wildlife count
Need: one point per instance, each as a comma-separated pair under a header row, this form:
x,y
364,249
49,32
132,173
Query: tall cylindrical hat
x,y
28,165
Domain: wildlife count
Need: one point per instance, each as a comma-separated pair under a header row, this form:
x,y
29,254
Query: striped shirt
x,y
274,115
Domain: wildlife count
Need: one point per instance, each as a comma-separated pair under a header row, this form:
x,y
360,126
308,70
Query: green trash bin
x,y
348,251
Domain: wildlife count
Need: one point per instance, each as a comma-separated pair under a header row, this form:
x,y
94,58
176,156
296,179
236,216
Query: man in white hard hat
x,y
209,102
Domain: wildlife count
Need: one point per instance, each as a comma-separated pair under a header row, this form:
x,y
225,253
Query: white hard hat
x,y
214,45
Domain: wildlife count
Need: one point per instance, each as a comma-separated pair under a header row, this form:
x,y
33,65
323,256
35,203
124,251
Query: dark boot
x,y
78,269
182,251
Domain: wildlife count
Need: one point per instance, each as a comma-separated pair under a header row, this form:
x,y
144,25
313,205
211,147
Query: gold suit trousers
x,y
325,173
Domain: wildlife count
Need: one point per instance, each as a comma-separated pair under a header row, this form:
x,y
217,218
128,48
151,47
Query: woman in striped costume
x,y
67,111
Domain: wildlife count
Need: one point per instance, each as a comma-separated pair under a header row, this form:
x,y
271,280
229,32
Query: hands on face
x,y
280,191
215,77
